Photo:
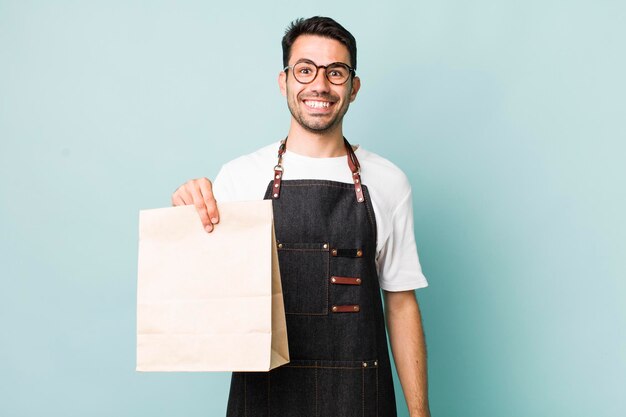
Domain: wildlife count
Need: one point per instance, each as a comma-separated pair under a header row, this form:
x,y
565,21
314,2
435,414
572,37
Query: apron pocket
x,y
348,388
292,392
309,388
304,277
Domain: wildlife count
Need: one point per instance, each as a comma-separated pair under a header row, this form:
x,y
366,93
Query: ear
x,y
356,86
282,83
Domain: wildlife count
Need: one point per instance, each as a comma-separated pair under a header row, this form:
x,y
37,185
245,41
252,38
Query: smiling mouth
x,y
318,104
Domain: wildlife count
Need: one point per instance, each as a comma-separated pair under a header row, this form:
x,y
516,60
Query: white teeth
x,y
317,104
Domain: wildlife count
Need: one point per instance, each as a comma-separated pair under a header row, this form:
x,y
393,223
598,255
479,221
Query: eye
x,y
338,72
304,70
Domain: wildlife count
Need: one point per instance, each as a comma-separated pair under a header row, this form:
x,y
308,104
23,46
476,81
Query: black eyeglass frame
x,y
352,71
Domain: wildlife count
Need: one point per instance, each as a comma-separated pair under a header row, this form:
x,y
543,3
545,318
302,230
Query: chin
x,y
319,128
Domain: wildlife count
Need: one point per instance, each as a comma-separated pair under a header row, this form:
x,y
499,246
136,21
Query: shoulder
x,y
383,176
258,158
390,193
246,177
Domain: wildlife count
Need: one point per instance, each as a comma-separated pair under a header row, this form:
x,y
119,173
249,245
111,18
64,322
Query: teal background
x,y
508,118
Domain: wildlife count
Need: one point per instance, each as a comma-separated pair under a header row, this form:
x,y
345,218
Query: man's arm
x,y
404,324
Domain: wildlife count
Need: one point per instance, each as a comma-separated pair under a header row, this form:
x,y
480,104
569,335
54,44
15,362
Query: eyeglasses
x,y
305,72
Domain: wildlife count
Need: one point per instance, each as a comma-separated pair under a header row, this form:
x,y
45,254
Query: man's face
x,y
318,107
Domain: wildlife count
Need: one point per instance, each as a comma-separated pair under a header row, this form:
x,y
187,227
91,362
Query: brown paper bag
x,y
209,301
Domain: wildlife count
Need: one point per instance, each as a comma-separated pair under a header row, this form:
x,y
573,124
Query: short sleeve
x,y
398,262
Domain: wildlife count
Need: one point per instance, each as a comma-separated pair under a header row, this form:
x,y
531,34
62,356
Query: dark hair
x,y
320,26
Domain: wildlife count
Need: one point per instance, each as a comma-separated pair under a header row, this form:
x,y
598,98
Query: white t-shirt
x,y
246,178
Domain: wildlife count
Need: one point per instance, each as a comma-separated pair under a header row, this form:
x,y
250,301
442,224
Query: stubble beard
x,y
315,124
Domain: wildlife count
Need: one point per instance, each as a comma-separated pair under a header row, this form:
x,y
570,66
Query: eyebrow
x,y
313,62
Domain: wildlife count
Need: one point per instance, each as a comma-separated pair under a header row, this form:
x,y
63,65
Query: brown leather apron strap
x,y
278,169
355,167
353,163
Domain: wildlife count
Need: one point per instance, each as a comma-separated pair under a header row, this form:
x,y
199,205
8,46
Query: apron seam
x,y
310,314
327,278
322,367
317,410
363,391
347,186
269,375
377,391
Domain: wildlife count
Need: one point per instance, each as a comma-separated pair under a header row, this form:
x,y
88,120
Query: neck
x,y
316,145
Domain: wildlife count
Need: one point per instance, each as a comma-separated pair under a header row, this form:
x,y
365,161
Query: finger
x,y
177,200
182,196
200,205
209,200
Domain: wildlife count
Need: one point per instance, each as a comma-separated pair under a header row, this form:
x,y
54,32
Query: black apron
x,y
326,236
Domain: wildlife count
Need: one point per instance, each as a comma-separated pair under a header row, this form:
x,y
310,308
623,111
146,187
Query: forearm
x,y
408,346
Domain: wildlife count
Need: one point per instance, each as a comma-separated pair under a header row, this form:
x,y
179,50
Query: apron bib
x,y
340,367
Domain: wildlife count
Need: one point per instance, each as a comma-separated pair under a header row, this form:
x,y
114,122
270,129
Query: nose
x,y
320,83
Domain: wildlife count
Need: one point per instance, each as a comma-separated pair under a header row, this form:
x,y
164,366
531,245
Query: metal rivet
x,y
275,195
356,308
277,176
357,180
280,245
358,189
360,200
375,363
325,245
358,280
334,308
275,185
333,280
334,252
359,253
364,364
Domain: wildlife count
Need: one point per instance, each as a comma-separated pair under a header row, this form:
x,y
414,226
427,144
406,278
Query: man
x,y
340,242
